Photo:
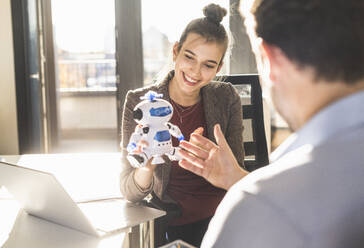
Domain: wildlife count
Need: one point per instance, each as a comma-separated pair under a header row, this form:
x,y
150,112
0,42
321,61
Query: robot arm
x,y
175,131
136,136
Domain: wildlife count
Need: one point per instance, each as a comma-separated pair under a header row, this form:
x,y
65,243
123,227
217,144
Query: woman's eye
x,y
209,66
188,56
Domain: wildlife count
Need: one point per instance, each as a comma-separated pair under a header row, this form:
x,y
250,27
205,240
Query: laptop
x,y
40,194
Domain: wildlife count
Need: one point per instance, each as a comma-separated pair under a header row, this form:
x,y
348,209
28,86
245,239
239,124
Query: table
x,y
85,177
28,231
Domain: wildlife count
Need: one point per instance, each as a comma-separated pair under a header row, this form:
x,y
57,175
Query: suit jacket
x,y
221,105
310,197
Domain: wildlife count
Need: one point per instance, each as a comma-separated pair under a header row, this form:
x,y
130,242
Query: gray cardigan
x,y
221,105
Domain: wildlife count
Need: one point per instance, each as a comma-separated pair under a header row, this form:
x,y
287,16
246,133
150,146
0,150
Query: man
x,y
311,54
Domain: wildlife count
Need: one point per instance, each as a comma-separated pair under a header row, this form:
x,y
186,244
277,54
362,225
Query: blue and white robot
x,y
152,135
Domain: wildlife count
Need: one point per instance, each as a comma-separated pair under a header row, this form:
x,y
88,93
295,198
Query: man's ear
x,y
274,58
175,51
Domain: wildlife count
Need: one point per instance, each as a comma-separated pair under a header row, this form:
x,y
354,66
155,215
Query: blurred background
x,y
75,60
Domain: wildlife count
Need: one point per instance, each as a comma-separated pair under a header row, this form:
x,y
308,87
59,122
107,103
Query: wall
x,y
8,118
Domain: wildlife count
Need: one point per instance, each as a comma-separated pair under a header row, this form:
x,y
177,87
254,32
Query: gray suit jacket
x,y
221,105
310,197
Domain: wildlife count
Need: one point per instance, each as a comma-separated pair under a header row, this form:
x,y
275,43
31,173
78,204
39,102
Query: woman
x,y
199,103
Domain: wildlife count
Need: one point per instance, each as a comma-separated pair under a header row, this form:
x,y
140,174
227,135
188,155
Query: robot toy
x,y
152,135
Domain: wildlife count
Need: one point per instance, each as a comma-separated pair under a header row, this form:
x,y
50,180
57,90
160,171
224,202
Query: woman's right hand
x,y
143,176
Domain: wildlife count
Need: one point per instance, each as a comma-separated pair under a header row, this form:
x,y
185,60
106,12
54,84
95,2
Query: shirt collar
x,y
342,115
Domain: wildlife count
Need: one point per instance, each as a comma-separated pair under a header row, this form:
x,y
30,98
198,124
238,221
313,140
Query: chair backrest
x,y
254,137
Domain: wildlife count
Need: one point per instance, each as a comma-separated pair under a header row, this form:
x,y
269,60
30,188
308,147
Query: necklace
x,y
183,112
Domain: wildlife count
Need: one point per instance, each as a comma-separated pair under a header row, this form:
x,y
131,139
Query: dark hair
x,y
208,27
327,35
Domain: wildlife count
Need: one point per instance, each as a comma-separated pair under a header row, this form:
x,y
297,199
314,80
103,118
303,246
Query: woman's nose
x,y
196,70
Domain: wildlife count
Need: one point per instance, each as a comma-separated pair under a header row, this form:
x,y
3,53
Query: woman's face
x,y
196,64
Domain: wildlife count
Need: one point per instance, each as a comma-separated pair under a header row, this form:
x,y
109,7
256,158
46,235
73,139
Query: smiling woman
x,y
199,103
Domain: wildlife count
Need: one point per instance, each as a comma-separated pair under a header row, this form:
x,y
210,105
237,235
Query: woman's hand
x,y
144,176
193,135
216,163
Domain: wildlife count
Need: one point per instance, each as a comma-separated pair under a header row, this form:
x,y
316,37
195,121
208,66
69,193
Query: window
x,y
85,44
162,24
84,38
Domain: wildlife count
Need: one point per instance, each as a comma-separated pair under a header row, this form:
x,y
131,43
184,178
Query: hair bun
x,y
214,13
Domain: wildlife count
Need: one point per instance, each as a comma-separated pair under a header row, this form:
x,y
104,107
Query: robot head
x,y
152,110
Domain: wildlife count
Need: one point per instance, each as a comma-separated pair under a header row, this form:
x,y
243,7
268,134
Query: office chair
x,y
161,224
255,142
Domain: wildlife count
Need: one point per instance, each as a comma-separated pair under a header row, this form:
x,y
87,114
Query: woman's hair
x,y
208,27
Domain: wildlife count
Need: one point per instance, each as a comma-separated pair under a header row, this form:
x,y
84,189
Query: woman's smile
x,y
189,80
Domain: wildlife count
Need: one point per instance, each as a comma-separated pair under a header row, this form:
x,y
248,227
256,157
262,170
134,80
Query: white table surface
x,y
84,177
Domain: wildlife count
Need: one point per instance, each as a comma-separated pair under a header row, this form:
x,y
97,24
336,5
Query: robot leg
x,y
157,160
173,154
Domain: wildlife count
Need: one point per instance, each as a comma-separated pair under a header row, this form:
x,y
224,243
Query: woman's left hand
x,y
215,162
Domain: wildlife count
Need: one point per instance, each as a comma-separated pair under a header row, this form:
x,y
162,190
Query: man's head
x,y
323,41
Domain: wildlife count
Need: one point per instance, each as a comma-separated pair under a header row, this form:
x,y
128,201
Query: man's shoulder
x,y
308,190
247,219
311,171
